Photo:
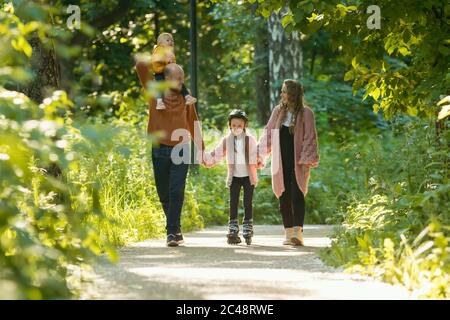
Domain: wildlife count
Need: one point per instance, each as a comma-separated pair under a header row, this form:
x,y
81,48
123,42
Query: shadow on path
x,y
207,268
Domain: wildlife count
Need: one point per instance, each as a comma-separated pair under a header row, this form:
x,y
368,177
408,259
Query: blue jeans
x,y
170,179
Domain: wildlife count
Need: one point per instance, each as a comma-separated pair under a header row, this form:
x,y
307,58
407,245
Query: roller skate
x,y
233,232
247,231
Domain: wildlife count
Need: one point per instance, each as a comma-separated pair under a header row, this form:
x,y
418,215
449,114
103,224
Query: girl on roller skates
x,y
239,148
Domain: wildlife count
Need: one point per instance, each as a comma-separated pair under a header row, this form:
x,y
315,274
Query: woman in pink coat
x,y
291,137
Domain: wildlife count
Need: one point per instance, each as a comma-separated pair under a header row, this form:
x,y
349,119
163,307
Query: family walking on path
x,y
290,137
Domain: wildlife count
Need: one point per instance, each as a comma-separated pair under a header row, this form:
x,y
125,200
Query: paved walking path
x,y
207,268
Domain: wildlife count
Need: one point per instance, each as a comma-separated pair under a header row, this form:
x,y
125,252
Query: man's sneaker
x,y
172,240
179,238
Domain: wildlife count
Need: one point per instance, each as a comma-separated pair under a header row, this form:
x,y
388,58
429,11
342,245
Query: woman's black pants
x,y
292,200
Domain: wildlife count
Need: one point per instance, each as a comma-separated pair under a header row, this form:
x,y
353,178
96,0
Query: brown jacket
x,y
177,123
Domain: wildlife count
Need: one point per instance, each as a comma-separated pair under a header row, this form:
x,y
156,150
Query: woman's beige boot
x,y
289,234
297,237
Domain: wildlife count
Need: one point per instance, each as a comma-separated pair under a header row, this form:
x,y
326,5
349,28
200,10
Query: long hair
x,y
295,102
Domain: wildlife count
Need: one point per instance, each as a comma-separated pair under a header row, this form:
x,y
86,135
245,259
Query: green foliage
x,y
74,187
339,110
75,171
42,234
212,194
391,186
397,226
42,230
122,168
444,104
227,68
265,204
403,66
105,69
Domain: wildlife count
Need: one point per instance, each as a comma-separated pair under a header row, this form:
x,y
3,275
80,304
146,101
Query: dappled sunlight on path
x,y
207,268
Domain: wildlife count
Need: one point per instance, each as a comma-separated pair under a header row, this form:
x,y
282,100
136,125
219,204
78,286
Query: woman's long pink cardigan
x,y
306,148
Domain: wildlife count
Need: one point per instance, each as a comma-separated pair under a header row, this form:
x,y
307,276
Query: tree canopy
x,y
403,65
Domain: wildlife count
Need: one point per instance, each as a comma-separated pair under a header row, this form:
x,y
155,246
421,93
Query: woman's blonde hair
x,y
295,101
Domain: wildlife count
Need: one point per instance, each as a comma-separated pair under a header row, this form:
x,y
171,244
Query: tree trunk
x,y
285,56
46,71
46,78
262,73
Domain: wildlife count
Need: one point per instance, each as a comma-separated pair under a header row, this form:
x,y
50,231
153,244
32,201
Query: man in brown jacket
x,y
177,125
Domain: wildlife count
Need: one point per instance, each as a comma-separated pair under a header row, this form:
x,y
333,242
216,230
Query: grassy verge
x,y
396,226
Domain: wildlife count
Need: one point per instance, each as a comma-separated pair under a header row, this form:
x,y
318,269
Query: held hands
x,y
207,161
207,164
203,160
259,163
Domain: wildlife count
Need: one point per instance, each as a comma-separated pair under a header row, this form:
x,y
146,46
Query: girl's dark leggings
x,y
292,200
160,77
235,190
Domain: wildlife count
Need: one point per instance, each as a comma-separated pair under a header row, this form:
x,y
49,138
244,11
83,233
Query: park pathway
x,y
207,268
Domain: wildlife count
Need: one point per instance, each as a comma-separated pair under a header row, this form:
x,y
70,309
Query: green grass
x,y
397,225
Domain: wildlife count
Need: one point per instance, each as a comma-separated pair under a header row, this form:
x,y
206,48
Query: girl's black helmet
x,y
236,113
